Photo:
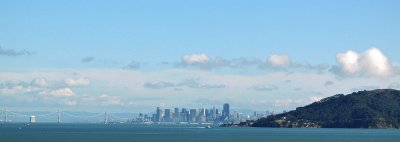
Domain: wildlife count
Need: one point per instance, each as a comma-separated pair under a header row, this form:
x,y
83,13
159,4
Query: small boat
x,y
208,127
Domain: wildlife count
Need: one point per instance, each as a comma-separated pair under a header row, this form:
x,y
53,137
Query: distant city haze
x,y
167,116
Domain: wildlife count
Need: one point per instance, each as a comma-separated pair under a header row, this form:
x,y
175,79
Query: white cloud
x,y
284,62
195,59
279,61
372,62
63,92
195,83
189,83
41,82
18,89
202,61
77,82
158,84
264,87
349,61
274,61
315,98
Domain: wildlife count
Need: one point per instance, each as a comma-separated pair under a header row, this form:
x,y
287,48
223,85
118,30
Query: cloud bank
x,y
195,59
77,82
189,83
279,61
264,87
371,62
273,62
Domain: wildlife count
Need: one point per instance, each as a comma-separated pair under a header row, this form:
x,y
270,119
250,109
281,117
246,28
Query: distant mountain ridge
x,y
364,109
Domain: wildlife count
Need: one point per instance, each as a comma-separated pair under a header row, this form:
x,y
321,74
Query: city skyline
x,y
180,115
129,56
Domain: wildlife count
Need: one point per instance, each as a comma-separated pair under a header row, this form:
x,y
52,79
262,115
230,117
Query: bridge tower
x,y
59,117
5,116
105,118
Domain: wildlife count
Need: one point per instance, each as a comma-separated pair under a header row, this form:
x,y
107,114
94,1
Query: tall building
x,y
202,112
184,116
225,112
154,118
176,115
201,117
167,115
213,113
32,119
146,118
5,116
192,115
158,116
141,117
208,115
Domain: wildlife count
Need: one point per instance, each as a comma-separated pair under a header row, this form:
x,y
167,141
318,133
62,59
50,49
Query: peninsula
x,y
364,109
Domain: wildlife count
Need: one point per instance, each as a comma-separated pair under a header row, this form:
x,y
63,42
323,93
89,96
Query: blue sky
x,y
277,54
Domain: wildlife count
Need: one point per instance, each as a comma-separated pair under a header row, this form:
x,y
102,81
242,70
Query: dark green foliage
x,y
363,109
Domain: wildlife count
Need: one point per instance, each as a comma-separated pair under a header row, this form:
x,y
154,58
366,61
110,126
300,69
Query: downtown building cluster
x,y
187,115
202,115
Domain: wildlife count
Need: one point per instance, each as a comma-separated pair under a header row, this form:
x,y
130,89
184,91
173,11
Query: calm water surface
x,y
186,133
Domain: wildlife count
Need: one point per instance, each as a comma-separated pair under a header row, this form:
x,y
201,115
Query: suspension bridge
x,y
10,116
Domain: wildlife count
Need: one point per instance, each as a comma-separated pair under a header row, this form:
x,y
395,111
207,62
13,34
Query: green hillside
x,y
363,109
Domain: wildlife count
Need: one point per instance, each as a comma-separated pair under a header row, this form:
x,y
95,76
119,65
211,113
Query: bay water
x,y
185,133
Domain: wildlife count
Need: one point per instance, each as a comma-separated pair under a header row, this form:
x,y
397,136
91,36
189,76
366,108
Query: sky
x,y
135,55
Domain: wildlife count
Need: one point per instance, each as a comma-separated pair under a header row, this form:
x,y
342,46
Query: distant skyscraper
x,y
184,116
158,115
147,118
225,112
59,117
202,112
141,117
183,110
213,113
167,115
105,118
201,117
154,118
5,116
176,110
32,119
192,115
176,115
